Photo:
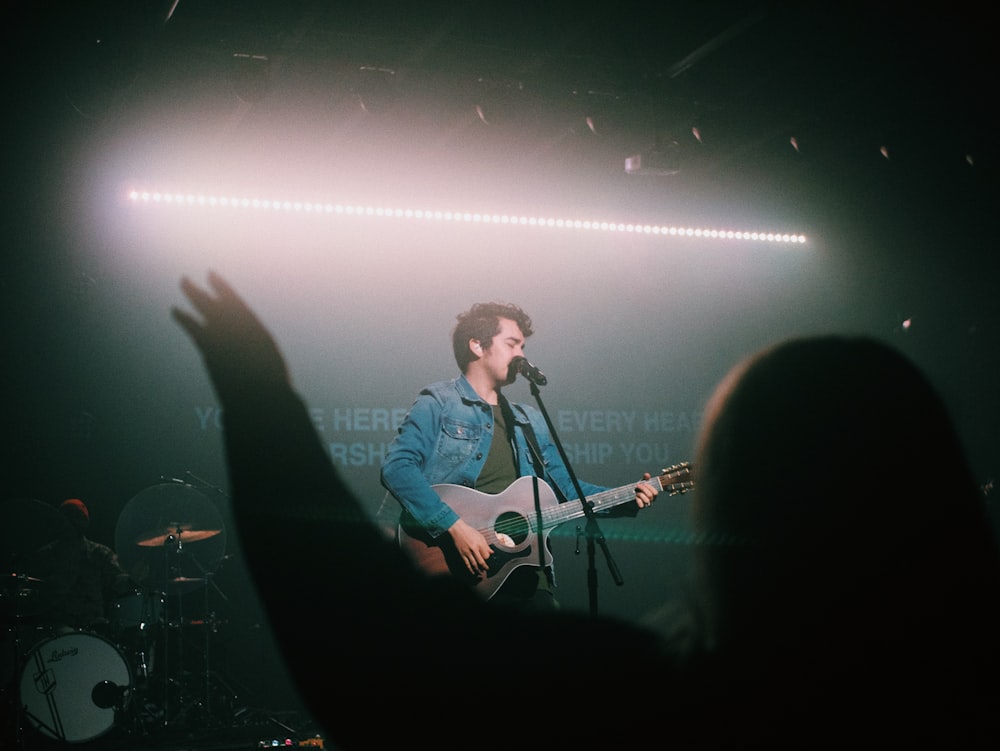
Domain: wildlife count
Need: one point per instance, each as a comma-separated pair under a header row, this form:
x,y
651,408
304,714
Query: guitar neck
x,y
608,499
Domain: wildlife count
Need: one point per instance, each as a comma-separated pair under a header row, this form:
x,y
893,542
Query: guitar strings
x,y
518,526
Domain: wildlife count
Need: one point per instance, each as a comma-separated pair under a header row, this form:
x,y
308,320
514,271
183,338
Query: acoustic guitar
x,y
515,527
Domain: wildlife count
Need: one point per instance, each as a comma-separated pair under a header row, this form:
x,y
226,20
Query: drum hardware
x,y
17,587
199,693
175,536
35,561
172,538
20,583
136,621
109,695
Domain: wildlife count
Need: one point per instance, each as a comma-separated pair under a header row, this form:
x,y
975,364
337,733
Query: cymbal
x,y
15,580
175,532
146,525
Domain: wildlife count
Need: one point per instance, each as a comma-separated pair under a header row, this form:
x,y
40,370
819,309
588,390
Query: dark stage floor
x,y
75,704
190,687
247,729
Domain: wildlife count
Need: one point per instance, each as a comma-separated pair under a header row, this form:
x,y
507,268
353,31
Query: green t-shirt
x,y
500,469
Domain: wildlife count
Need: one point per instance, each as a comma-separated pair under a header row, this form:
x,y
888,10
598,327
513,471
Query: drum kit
x,y
147,666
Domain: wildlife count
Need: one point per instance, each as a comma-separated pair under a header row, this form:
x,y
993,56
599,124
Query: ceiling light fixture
x,y
202,200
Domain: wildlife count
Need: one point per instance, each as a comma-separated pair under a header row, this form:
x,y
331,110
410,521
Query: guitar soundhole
x,y
511,529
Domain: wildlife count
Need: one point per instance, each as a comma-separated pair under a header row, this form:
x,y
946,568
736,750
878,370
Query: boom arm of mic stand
x,y
592,529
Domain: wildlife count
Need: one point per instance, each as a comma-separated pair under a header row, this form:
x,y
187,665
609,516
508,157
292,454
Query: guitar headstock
x,y
677,479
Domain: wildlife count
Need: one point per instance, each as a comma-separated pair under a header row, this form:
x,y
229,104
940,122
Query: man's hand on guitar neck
x,y
471,546
645,493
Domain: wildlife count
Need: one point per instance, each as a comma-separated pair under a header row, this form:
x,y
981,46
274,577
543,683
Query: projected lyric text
x,y
358,436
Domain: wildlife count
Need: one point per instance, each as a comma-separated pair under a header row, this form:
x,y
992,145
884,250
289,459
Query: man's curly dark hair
x,y
482,322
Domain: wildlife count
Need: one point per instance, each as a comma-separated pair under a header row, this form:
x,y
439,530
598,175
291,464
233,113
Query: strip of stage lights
x,y
338,209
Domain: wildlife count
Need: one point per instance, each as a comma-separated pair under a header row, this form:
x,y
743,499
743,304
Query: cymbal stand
x,y
210,623
176,676
173,548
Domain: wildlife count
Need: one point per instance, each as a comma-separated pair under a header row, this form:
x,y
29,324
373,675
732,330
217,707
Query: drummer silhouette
x,y
88,576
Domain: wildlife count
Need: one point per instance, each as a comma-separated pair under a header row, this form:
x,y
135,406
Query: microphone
x,y
529,371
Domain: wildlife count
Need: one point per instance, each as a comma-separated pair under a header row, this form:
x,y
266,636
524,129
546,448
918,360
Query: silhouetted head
x,y
839,515
77,513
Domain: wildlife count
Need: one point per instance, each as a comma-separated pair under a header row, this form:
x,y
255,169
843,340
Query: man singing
x,y
464,432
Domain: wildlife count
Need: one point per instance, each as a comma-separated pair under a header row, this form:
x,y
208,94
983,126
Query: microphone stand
x,y
592,530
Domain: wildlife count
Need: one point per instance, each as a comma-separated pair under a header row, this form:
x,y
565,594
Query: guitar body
x,y
508,522
516,524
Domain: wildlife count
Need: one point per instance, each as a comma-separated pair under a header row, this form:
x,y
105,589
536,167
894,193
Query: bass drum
x,y
73,686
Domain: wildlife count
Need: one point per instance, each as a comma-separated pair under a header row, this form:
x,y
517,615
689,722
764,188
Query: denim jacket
x,y
445,438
